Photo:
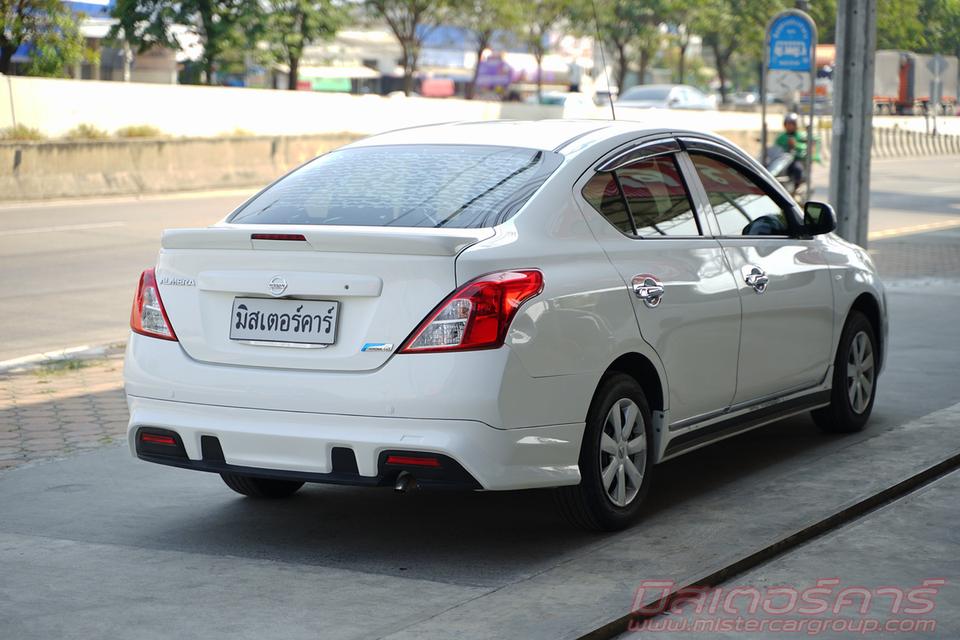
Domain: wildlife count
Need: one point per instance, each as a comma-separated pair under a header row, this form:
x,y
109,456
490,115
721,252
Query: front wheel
x,y
260,487
854,379
616,459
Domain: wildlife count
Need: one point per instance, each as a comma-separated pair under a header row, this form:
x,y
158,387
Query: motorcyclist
x,y
794,141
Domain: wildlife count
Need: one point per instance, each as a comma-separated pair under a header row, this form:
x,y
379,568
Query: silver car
x,y
666,96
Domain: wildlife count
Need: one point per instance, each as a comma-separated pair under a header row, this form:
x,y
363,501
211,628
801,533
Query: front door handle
x,y
648,288
755,277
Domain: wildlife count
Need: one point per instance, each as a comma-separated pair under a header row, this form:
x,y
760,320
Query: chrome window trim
x,y
638,151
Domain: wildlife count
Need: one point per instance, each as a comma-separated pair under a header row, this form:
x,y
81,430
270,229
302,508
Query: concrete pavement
x,y
910,541
70,268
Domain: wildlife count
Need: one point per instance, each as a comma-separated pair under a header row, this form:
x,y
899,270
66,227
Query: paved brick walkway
x,y
60,409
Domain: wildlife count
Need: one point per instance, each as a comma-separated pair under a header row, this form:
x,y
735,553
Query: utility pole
x,y
853,117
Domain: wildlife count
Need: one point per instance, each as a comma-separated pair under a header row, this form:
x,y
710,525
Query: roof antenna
x,y
603,58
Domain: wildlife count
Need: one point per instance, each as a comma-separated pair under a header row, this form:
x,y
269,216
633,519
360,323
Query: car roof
x,y
532,134
547,135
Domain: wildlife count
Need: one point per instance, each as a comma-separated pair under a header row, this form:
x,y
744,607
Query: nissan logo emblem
x,y
277,285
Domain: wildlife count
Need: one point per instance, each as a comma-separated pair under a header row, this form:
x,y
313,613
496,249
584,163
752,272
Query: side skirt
x,y
749,418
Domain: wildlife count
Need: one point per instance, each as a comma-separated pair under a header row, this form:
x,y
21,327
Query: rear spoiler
x,y
397,240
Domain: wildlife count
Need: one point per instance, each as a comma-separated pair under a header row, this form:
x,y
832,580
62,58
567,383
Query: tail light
x,y
148,316
477,315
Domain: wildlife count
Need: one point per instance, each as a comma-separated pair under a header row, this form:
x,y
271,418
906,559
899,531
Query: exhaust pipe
x,y
405,482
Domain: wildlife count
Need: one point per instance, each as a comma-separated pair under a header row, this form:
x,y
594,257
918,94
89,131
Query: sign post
x,y
937,65
789,65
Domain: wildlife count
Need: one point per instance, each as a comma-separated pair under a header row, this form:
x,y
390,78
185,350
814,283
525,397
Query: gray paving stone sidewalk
x,y
59,409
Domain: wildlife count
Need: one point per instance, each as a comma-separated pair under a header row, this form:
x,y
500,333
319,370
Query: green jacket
x,y
800,148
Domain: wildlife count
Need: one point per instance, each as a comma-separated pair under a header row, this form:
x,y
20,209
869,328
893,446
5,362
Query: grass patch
x,y
60,367
22,132
139,131
86,132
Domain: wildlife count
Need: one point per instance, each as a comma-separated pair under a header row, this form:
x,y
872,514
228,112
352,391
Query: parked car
x,y
562,98
496,306
574,103
665,96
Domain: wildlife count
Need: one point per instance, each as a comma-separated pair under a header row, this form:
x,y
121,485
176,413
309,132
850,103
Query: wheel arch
x,y
641,369
654,385
867,304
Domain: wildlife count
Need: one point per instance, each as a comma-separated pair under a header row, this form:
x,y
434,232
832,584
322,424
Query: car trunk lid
x,y
381,281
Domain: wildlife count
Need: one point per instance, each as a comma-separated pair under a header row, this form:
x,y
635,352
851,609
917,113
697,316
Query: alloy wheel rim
x,y
623,452
860,372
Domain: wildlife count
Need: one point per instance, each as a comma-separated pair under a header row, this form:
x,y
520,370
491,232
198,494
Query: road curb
x,y
849,513
82,352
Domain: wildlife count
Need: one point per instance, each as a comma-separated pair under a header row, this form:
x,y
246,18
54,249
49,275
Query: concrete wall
x,y
56,106
43,170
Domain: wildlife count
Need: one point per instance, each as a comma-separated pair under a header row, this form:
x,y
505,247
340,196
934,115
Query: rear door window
x,y
458,186
647,199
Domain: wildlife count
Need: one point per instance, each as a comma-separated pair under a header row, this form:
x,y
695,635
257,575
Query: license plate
x,y
289,321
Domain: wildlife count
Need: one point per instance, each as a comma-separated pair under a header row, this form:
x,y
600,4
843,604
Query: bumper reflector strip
x,y
411,461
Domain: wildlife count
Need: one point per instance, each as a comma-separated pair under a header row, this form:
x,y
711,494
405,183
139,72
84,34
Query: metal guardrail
x,y
898,143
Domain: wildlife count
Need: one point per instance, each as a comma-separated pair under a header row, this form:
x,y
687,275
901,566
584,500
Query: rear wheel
x,y
854,379
260,487
616,459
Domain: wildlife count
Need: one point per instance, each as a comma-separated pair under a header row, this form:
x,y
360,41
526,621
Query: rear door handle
x,y
755,277
648,288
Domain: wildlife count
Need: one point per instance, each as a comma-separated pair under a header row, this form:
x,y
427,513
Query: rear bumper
x,y
299,445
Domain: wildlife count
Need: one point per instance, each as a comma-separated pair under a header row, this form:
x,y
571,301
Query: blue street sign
x,y
790,43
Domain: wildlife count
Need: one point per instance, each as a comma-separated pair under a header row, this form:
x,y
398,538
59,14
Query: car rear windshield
x,y
460,186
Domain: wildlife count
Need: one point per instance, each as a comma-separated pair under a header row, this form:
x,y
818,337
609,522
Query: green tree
x,y
293,24
733,26
482,19
941,20
221,25
59,47
52,30
680,14
539,18
617,22
411,21
899,26
651,15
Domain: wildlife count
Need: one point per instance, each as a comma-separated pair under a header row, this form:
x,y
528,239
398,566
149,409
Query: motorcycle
x,y
778,164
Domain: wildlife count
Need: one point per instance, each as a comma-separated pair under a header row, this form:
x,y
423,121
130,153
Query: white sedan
x,y
500,305
666,96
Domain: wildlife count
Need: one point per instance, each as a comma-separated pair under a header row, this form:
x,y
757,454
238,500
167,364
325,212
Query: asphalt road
x,y
70,268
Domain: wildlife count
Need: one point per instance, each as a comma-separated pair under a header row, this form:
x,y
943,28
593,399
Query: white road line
x,y
82,201
63,227
949,223
944,188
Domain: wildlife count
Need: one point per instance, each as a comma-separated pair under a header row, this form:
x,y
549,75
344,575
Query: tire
x,y
260,487
849,409
592,504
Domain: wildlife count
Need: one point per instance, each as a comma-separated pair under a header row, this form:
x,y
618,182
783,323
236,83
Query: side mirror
x,y
819,218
